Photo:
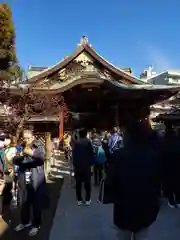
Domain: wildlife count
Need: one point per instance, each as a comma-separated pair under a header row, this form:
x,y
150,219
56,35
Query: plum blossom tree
x,y
25,104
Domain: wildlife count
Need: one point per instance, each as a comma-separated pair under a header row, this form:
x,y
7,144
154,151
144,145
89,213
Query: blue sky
x,y
129,33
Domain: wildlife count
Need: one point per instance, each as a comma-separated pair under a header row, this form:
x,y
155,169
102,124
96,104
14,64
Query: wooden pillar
x,y
48,149
61,126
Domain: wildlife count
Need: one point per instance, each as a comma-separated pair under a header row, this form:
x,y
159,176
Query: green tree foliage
x,y
9,68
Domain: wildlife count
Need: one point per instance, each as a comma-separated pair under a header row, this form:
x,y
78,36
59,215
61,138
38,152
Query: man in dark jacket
x,y
33,183
171,159
82,154
134,178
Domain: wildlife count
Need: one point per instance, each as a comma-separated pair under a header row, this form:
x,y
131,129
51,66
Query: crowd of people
x,y
134,169
22,180
91,152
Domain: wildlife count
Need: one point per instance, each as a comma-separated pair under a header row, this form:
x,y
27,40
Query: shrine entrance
x,y
100,106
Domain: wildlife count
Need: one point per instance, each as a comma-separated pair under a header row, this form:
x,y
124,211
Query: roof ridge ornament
x,y
83,41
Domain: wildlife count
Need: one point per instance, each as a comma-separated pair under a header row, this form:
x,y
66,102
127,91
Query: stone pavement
x,y
95,222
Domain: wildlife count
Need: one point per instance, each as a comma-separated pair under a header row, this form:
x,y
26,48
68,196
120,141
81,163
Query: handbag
x,y
106,193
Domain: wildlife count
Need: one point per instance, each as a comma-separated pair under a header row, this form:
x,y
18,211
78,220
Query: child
x,y
10,152
15,190
5,179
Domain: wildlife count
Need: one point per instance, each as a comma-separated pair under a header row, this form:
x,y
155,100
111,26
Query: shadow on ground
x,y
54,188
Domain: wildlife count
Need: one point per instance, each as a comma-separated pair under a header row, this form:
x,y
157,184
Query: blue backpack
x,y
2,161
100,156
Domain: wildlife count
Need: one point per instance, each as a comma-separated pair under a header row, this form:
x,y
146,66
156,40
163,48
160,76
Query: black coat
x,y
82,155
171,162
134,177
36,165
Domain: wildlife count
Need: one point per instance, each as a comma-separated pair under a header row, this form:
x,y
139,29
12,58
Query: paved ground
x,y
91,223
54,190
95,222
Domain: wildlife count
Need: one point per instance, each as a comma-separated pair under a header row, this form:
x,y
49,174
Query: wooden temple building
x,y
97,93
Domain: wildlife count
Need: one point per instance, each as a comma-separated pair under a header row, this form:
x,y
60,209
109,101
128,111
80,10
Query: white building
x,y
167,77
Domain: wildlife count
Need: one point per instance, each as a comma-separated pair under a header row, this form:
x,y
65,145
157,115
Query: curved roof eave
x,y
116,85
87,48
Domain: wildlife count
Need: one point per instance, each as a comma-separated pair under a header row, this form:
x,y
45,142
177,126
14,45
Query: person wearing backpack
x,y
99,160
